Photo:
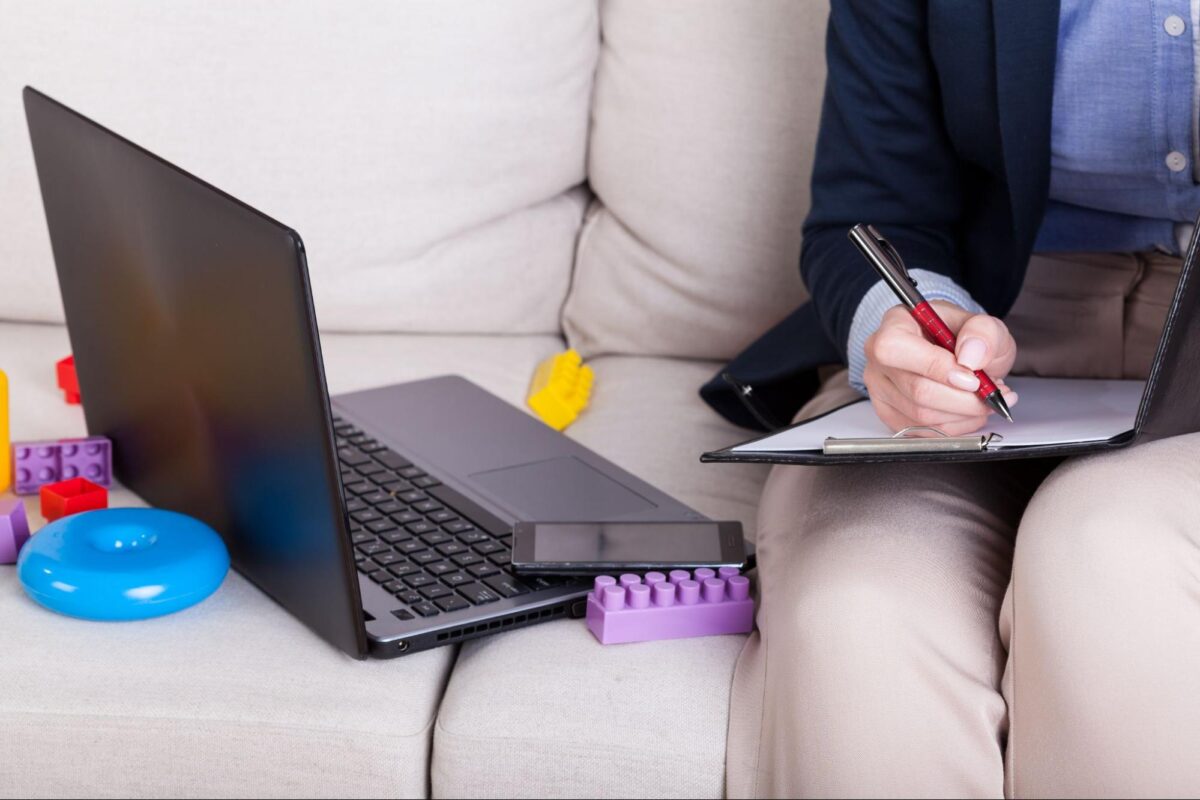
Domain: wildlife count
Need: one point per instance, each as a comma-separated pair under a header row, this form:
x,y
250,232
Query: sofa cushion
x,y
646,416
547,711
426,152
232,697
700,155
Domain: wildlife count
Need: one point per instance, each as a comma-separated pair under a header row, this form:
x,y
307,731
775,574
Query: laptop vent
x,y
503,623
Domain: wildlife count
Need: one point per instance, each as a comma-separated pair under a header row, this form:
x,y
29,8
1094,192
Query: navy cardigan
x,y
935,128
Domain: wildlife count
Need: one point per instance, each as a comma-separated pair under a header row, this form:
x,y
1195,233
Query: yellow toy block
x,y
5,444
561,388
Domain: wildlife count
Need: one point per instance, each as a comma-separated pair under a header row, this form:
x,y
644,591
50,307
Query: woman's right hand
x,y
915,382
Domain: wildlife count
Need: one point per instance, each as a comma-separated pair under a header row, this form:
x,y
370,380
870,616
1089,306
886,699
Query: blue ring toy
x,y
122,564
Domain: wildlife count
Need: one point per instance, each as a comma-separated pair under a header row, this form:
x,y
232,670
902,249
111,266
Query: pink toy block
x,y
683,604
36,464
14,530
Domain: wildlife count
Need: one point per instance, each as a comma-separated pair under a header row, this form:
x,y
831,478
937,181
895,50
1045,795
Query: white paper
x,y
1048,411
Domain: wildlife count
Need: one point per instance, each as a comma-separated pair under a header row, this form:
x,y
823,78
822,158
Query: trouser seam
x,y
1010,754
762,689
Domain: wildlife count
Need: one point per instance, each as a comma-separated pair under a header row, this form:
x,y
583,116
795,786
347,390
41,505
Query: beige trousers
x,y
1026,629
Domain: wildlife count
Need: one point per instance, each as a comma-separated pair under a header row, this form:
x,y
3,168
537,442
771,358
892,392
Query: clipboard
x,y
1168,405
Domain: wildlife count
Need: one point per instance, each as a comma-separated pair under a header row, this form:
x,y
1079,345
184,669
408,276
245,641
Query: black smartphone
x,y
594,548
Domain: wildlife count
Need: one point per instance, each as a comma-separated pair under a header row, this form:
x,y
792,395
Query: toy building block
x,y
68,381
37,463
71,497
14,529
683,604
560,389
89,458
5,462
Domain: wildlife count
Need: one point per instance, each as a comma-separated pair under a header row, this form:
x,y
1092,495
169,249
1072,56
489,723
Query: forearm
x,y
883,157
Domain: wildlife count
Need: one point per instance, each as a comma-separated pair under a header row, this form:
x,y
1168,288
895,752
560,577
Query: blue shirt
x,y
1124,143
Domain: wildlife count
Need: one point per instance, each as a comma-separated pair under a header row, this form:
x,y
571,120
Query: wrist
x,y
879,298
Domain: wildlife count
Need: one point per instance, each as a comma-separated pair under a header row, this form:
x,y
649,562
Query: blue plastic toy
x,y
122,564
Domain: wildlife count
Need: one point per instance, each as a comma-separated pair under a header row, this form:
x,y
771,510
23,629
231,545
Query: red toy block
x,y
70,497
68,381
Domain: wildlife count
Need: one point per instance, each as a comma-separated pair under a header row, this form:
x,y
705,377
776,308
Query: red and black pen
x,y
887,262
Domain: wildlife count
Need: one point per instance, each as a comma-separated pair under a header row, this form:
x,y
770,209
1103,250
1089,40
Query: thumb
x,y
981,340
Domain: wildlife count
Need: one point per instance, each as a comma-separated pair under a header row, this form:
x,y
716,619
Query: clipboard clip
x,y
905,441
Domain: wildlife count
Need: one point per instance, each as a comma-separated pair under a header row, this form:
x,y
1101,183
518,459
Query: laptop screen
x,y
196,346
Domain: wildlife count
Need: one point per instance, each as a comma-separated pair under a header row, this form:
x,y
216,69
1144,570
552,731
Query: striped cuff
x,y
880,298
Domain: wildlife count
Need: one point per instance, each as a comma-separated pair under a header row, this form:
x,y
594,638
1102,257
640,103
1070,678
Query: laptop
x,y
381,519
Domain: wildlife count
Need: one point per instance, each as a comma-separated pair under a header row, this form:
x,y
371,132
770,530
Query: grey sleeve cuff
x,y
880,298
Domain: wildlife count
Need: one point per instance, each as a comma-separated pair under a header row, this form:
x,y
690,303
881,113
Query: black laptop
x,y
381,519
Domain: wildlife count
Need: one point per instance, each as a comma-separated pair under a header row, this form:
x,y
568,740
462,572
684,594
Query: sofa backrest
x,y
434,154
427,152
704,121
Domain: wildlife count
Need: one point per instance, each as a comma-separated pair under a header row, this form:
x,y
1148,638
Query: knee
x,y
1099,519
850,599
850,568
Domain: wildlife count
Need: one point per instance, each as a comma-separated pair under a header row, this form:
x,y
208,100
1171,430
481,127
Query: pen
x,y
887,262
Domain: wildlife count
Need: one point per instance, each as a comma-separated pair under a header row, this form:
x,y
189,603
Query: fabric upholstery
x,y
702,123
232,697
549,712
639,407
425,151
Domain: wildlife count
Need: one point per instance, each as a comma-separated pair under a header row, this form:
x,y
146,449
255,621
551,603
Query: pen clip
x,y
886,248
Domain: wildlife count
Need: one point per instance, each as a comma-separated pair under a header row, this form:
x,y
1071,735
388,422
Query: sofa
x,y
479,186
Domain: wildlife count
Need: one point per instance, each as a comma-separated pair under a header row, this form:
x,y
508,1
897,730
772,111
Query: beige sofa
x,y
478,184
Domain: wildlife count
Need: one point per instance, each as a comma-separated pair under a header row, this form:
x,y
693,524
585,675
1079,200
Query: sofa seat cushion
x,y
549,712
646,416
232,697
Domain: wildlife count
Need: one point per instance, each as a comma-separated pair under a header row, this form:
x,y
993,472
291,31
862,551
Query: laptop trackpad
x,y
561,489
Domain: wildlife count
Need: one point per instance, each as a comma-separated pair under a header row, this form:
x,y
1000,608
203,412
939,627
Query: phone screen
x,y
612,542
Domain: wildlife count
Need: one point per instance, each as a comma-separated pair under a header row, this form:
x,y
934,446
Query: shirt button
x,y
1174,25
1176,161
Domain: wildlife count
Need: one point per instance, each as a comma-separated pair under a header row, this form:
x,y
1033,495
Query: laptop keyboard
x,y
433,549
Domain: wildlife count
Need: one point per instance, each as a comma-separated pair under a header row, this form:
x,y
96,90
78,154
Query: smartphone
x,y
595,548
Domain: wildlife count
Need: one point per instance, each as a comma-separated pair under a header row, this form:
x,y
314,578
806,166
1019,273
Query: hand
x,y
915,382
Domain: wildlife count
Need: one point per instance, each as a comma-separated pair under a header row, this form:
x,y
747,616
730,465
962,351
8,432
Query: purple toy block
x,y
89,458
14,530
36,464
706,603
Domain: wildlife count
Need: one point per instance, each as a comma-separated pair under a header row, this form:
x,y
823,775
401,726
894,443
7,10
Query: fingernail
x,y
1010,397
972,353
961,379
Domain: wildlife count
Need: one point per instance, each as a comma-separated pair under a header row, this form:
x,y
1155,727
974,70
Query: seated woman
x,y
1025,628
